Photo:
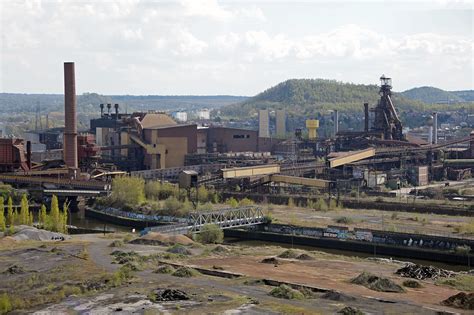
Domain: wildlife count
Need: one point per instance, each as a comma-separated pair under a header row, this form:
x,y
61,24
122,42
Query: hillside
x,y
432,95
467,95
308,97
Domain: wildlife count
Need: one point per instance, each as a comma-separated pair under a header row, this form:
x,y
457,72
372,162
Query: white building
x,y
181,116
204,114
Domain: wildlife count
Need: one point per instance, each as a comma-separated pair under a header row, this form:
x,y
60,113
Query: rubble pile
x,y
166,295
423,272
14,270
461,300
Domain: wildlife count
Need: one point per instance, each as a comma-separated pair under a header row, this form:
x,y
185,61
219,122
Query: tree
x,y
128,190
210,234
24,211
65,216
3,226
43,217
10,214
55,215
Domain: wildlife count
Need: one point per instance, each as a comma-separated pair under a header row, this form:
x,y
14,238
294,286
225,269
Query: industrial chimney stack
x,y
70,122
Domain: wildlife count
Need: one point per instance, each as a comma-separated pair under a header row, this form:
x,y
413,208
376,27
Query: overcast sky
x,y
232,47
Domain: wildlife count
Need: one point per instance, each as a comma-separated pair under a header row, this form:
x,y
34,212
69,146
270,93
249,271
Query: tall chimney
x,y
336,123
366,117
28,154
116,106
70,122
435,128
101,110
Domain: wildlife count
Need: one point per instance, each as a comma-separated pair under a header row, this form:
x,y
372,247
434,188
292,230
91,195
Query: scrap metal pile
x,y
423,272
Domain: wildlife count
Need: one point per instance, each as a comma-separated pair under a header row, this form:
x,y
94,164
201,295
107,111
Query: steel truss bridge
x,y
225,219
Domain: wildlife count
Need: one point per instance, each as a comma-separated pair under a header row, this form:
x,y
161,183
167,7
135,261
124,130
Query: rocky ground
x,y
96,274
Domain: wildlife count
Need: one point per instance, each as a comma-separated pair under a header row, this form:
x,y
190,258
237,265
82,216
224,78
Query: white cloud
x,y
205,8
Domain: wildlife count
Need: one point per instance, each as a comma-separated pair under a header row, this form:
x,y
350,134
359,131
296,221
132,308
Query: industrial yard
x,y
216,157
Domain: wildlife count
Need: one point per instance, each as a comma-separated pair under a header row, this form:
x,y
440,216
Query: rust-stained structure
x,y
14,155
386,121
70,120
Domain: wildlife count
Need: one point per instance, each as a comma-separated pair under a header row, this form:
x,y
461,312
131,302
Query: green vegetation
x,y
186,272
128,191
289,253
232,202
429,94
412,284
285,292
344,220
3,226
165,269
210,234
466,228
5,303
461,282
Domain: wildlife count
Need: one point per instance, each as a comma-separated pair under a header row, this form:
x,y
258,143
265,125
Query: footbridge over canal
x,y
225,219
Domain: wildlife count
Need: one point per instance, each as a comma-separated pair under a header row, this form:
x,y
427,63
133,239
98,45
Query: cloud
x,y
205,8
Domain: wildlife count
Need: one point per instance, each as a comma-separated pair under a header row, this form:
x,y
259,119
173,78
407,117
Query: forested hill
x,y
429,94
311,96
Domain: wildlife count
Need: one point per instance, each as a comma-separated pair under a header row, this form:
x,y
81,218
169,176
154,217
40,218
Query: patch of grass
x,y
5,304
165,269
344,220
285,292
460,282
412,284
116,243
186,272
289,253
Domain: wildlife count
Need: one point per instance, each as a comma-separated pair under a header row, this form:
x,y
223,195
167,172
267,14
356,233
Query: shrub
x,y
285,292
210,234
128,190
172,204
165,269
185,272
232,202
291,202
462,250
344,220
412,284
5,304
116,243
321,205
203,194
246,202
333,204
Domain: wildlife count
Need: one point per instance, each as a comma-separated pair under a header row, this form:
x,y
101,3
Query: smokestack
x,y
116,106
435,128
366,117
28,154
47,121
101,110
70,122
108,108
336,123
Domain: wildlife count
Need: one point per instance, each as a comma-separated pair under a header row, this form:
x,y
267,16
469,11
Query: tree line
x,y
55,220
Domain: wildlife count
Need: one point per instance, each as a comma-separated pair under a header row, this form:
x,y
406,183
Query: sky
x,y
209,47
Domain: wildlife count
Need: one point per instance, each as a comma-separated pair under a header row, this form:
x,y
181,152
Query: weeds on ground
x,y
460,282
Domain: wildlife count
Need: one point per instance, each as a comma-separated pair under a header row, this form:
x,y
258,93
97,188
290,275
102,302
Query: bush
x,y
165,269
232,202
5,304
116,243
210,234
246,202
172,204
285,292
344,220
185,272
412,284
291,202
320,205
128,191
333,204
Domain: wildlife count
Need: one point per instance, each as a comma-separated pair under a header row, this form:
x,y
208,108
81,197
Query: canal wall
x,y
406,245
354,204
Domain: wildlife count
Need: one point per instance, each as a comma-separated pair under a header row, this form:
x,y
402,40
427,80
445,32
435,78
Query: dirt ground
x,y
53,266
372,219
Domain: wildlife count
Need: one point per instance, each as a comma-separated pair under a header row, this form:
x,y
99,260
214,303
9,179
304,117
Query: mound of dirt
x,y
7,241
166,269
461,300
337,296
423,272
219,249
14,270
154,238
125,257
170,295
304,257
29,233
377,283
185,272
179,249
270,260
289,253
348,310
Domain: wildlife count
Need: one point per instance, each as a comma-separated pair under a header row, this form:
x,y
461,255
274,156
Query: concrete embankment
x,y
391,246
355,204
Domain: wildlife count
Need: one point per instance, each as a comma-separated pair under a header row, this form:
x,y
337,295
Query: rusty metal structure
x,y
386,119
70,120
